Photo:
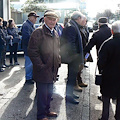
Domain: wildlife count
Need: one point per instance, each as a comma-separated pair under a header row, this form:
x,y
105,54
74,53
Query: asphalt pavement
x,y
18,100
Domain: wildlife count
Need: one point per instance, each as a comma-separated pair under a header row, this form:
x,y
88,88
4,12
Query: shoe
x,y
6,65
16,63
51,98
52,114
43,119
29,81
83,84
100,98
11,64
75,96
1,70
3,66
70,99
78,88
85,66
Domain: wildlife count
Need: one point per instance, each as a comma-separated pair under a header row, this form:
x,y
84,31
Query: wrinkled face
x,y
50,22
84,22
79,21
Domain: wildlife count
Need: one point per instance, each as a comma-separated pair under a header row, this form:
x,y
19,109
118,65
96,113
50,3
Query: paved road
x,y
18,101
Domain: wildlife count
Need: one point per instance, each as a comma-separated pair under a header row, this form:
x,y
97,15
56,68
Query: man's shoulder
x,y
38,31
26,23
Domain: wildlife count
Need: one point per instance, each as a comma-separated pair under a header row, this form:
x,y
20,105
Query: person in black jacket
x,y
13,43
98,37
7,39
74,51
2,44
109,67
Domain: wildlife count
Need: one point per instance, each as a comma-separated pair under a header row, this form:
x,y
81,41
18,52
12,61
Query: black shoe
x,y
6,65
11,64
100,98
29,81
85,66
51,114
3,66
16,63
70,99
75,96
1,70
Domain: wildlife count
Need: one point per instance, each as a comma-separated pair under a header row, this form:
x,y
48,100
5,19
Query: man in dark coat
x,y
98,37
109,66
71,35
27,29
43,50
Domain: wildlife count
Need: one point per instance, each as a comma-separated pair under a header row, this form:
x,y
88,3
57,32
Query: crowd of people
x,y
46,47
8,36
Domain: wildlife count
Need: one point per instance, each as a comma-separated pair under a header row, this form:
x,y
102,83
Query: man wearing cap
x,y
43,50
27,29
98,37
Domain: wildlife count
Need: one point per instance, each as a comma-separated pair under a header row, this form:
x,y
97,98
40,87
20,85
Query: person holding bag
x,y
13,43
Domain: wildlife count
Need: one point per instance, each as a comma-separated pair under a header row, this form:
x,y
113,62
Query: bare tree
x,y
33,5
107,13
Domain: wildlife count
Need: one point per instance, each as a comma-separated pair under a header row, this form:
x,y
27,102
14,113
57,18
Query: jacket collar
x,y
49,29
105,25
116,35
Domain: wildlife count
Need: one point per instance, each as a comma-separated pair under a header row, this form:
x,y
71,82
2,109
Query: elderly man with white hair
x,y
109,67
73,49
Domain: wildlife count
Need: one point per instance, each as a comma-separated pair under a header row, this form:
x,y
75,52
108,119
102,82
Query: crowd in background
x,y
8,36
42,49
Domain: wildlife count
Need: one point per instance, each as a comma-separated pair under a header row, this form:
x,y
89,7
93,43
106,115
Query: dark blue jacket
x,y
71,42
27,29
7,37
2,39
14,32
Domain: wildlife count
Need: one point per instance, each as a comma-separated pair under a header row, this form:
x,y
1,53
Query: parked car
x,y
90,26
95,26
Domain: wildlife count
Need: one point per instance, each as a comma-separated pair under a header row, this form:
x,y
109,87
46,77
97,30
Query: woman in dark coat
x,y
109,66
2,45
7,39
13,44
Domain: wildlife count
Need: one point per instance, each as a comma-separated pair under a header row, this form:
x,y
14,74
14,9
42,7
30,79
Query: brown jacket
x,y
43,50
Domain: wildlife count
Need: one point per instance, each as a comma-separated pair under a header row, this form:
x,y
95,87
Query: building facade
x,y
5,9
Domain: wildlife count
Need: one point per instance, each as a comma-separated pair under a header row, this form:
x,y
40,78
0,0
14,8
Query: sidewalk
x,y
22,105
70,111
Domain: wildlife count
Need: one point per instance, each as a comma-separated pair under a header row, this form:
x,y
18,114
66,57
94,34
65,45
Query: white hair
x,y
76,15
116,27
